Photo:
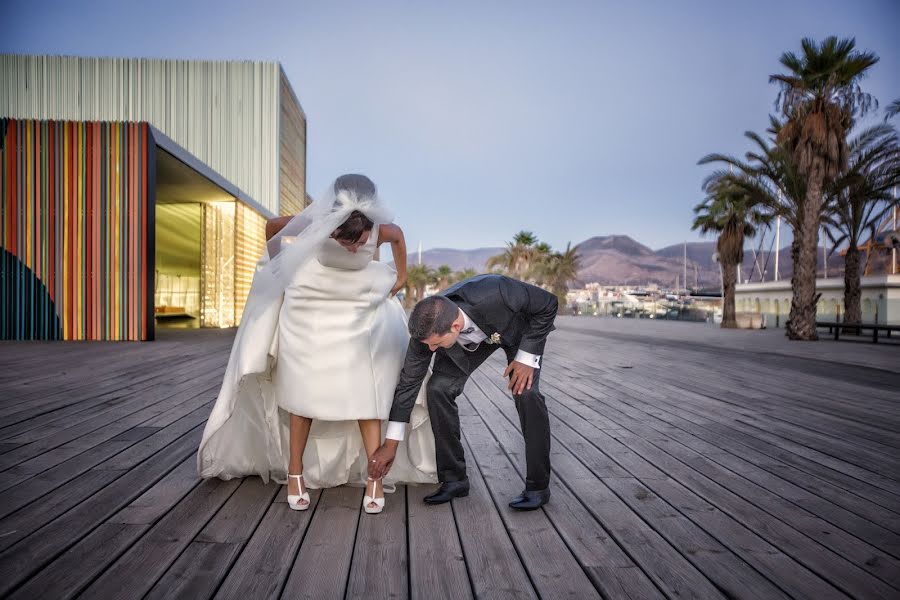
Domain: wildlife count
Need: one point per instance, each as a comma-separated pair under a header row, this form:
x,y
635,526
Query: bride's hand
x,y
399,285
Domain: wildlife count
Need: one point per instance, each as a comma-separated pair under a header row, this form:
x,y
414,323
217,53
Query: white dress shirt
x,y
396,430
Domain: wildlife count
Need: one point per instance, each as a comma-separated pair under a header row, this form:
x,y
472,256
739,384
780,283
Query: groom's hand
x,y
382,459
520,377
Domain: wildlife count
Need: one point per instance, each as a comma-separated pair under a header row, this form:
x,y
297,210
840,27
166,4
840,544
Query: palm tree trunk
x,y
408,300
729,280
802,324
562,307
852,293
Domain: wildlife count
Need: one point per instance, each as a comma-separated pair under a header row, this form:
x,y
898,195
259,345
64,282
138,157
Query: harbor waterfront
x,y
772,299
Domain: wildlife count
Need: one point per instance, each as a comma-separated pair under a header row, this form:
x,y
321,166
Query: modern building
x,y
135,191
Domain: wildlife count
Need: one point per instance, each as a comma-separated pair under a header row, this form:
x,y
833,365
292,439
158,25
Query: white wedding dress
x,y
332,351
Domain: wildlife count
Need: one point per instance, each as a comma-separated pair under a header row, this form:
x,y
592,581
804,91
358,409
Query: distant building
x,y
135,191
880,299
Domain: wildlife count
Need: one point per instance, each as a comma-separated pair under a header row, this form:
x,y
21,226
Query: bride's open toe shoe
x,y
367,499
298,501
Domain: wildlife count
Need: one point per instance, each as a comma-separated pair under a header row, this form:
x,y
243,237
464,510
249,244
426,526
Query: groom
x,y
462,326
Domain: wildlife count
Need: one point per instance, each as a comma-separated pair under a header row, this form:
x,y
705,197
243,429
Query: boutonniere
x,y
494,339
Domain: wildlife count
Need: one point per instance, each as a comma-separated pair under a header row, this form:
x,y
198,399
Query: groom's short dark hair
x,y
432,316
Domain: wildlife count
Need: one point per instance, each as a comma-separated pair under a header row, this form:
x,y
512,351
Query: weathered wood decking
x,y
681,471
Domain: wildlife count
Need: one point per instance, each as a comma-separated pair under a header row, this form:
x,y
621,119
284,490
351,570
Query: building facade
x,y
880,299
135,191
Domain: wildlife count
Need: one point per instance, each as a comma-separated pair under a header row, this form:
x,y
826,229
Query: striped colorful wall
x,y
76,230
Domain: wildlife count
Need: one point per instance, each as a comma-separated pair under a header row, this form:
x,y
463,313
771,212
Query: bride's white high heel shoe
x,y
367,500
294,500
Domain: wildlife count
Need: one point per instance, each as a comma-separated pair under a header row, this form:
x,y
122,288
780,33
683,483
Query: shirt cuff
x,y
396,430
527,358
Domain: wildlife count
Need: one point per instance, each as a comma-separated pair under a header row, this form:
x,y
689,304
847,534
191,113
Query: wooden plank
x,y
552,568
203,565
437,567
32,553
714,408
76,568
103,427
777,459
262,568
727,572
62,397
712,537
321,568
851,513
110,455
35,515
380,565
606,564
715,418
138,569
842,573
494,566
156,389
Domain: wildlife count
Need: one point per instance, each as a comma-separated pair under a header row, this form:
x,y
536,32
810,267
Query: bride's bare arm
x,y
393,234
273,226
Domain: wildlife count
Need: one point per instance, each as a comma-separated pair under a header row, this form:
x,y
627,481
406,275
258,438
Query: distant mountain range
x,y
621,260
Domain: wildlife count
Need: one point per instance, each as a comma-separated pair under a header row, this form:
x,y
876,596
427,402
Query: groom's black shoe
x,y
531,499
448,491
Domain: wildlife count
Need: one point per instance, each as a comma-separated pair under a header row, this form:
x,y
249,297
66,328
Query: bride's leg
x,y
299,433
371,435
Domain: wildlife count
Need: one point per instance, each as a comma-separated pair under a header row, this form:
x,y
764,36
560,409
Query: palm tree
x,y
859,201
820,97
557,270
505,262
443,274
892,110
525,238
464,274
518,258
541,256
730,211
769,176
418,277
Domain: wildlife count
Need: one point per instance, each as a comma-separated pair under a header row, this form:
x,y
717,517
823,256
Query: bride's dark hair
x,y
357,223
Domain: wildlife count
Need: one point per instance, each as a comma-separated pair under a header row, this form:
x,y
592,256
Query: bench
x,y
859,327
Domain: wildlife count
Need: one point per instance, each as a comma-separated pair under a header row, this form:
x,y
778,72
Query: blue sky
x,y
478,119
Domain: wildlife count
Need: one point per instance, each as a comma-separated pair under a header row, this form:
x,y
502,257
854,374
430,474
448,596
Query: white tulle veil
x,y
299,240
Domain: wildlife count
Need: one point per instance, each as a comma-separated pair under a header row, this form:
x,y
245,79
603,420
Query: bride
x,y
317,355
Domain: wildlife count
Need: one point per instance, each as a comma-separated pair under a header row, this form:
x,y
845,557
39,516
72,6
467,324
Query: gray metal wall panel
x,y
224,113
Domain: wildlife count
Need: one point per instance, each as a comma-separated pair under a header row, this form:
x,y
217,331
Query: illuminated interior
x,y
207,246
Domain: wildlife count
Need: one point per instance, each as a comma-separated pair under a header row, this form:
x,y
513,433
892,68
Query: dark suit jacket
x,y
521,313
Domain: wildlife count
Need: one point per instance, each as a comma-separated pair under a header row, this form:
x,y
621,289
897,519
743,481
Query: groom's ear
x,y
456,326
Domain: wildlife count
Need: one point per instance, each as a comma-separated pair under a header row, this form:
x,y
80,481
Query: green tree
x,y
730,212
820,97
557,270
443,275
769,176
892,110
464,274
518,258
859,200
418,278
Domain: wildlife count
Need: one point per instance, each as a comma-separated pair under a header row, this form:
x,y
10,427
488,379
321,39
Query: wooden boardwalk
x,y
680,471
